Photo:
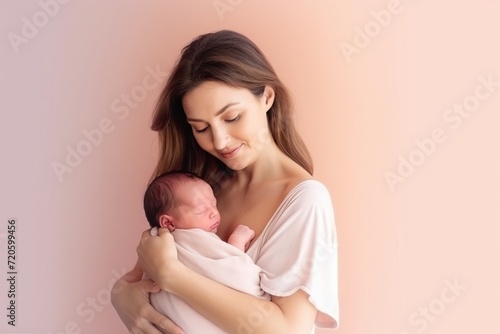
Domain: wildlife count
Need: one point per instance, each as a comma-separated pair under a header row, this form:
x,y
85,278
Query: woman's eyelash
x,y
202,130
233,120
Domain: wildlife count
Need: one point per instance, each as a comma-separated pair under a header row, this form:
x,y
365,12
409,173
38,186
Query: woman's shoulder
x,y
307,190
297,178
306,182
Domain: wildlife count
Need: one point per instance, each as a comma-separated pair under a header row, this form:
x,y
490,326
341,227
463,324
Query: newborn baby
x,y
186,205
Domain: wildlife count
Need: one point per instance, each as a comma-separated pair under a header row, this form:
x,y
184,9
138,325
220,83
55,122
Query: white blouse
x,y
298,250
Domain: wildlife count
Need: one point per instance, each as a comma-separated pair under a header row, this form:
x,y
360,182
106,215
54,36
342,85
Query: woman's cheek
x,y
264,136
203,141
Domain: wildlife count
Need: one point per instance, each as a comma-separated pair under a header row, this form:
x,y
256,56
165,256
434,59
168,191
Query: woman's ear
x,y
268,97
166,221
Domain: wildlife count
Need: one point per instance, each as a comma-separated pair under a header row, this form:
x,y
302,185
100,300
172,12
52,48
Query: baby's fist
x,y
241,237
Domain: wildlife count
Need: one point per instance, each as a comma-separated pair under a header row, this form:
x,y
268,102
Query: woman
x,y
225,115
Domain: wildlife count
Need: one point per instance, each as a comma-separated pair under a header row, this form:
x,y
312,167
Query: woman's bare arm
x,y
231,310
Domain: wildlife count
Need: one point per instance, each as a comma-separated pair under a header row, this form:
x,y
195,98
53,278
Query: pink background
x,y
359,115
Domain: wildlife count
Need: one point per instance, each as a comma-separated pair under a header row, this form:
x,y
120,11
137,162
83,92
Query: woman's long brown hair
x,y
230,58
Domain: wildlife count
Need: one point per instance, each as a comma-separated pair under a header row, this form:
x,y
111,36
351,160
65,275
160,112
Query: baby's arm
x,y
241,237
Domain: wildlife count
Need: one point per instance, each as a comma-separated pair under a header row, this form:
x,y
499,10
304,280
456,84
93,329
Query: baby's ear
x,y
166,222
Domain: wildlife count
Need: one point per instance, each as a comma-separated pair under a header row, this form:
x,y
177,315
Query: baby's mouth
x,y
214,226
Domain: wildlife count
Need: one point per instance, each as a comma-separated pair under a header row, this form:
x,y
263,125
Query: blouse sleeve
x,y
300,251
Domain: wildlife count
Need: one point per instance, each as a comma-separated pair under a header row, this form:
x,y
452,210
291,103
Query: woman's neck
x,y
272,165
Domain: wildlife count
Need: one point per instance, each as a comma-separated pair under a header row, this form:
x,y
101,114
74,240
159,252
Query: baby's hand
x,y
241,237
243,231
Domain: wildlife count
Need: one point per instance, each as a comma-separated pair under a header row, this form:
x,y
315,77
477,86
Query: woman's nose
x,y
220,138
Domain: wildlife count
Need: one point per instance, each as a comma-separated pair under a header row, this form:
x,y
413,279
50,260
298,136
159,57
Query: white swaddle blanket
x,y
206,254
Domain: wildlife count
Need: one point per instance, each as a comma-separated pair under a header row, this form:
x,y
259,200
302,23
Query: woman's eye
x,y
201,130
233,119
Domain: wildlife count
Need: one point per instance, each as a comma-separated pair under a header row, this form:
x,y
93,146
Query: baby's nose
x,y
213,213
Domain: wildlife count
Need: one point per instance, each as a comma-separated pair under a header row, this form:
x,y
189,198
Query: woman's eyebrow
x,y
216,114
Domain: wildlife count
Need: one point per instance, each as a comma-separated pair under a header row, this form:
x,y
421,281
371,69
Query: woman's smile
x,y
227,122
230,153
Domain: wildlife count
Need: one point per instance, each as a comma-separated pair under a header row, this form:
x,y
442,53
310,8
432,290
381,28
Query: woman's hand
x,y
158,256
130,298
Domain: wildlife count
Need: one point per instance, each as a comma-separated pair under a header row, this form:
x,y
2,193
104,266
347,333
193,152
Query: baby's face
x,y
198,207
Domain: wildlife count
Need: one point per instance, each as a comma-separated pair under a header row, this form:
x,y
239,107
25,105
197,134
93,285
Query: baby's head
x,y
181,200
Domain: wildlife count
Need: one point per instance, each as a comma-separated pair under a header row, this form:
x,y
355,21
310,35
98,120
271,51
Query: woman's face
x,y
229,123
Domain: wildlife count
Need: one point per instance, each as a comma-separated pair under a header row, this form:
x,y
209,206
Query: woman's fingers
x,y
166,325
162,231
150,286
146,328
131,301
153,322
157,255
154,231
148,233
150,243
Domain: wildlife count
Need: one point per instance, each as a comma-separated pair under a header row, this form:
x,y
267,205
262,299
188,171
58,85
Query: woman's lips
x,y
230,153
